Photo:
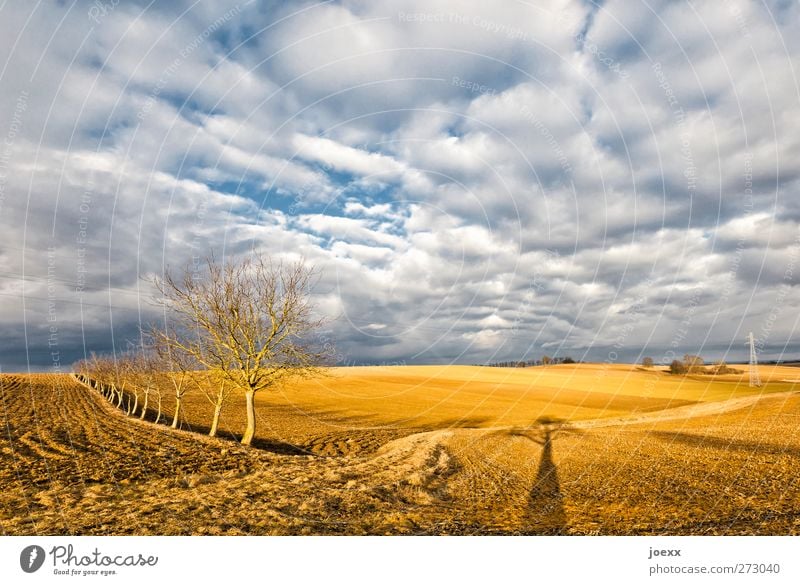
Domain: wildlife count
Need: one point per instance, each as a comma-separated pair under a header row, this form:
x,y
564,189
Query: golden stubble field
x,y
569,449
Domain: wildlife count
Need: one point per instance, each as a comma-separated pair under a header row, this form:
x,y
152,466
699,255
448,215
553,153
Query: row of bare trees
x,y
123,379
138,380
239,327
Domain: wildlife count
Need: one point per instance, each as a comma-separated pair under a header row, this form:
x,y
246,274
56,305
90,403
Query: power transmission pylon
x,y
755,379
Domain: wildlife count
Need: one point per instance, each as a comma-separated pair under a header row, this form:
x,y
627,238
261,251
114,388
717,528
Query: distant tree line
x,y
694,364
543,361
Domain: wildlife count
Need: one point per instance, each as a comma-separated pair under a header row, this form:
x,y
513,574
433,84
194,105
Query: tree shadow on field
x,y
474,422
544,512
271,445
279,447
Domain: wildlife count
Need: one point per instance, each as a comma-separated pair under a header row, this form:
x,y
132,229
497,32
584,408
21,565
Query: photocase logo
x,y
31,558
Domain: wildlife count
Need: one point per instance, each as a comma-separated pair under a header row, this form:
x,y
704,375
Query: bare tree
x,y
677,367
98,370
217,390
95,367
83,370
693,363
248,323
145,369
109,375
175,364
647,362
159,397
138,370
118,372
126,365
721,367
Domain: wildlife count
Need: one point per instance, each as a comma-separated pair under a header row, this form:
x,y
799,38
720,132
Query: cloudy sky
x,y
476,181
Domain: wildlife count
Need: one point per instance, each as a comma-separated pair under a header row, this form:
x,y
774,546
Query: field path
x,y
669,414
681,412
506,479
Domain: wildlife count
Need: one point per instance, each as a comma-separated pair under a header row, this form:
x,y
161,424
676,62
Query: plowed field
x,y
414,451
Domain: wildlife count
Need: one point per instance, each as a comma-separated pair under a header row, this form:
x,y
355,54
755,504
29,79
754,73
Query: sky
x,y
474,181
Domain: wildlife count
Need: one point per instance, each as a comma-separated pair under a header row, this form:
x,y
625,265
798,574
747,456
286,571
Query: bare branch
x,y
249,324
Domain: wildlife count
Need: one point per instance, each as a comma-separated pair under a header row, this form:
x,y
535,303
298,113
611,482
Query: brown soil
x,y
72,464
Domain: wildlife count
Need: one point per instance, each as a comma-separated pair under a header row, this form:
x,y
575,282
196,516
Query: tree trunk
x,y
158,416
128,402
215,420
119,397
177,412
135,404
250,431
144,405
